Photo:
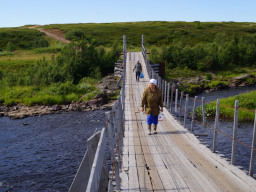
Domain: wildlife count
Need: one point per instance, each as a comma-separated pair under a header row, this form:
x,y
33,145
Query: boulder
x,y
108,85
241,80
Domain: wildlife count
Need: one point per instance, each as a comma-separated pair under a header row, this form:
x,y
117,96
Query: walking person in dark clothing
x,y
138,69
152,104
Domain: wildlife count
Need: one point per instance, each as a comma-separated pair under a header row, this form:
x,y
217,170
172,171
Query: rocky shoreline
x,y
22,111
107,86
244,80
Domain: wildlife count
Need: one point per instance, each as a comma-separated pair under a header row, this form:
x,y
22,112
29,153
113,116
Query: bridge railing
x,y
93,174
177,104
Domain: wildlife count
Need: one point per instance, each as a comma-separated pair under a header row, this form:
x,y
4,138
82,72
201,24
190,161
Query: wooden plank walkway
x,y
173,159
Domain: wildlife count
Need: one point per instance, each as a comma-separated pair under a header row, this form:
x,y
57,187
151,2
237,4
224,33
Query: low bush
x,y
21,38
5,53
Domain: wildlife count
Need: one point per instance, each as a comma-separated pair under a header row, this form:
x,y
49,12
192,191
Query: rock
x,y
72,107
56,108
241,80
108,85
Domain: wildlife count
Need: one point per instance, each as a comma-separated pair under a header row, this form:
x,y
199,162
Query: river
x,y
44,153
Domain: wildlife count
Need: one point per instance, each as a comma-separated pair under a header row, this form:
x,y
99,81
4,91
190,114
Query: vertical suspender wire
x,y
252,150
216,126
234,132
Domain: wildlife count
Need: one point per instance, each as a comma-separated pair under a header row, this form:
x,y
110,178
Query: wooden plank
x,y
181,165
161,179
149,163
188,171
133,184
145,183
157,154
144,180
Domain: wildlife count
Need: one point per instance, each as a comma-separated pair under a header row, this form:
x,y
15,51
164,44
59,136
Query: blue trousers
x,y
137,75
152,119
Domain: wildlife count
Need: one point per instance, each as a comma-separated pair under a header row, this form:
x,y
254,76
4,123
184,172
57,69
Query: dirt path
x,y
55,33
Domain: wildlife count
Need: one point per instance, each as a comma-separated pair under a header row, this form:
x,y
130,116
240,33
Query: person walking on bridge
x,y
153,103
138,69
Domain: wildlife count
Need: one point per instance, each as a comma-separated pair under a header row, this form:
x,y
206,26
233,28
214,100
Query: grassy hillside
x,y
158,33
31,60
37,69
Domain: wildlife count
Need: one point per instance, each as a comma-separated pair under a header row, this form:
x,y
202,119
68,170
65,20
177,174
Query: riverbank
x,y
107,86
211,82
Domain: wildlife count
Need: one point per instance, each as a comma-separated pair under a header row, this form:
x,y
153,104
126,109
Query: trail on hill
x,y
55,33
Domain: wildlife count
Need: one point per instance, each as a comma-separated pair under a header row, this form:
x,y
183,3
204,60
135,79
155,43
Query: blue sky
x,y
15,13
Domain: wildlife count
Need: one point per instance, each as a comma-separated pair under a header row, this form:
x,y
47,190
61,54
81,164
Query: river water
x,y
44,153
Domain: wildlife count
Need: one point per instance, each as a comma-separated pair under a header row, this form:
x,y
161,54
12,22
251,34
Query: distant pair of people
x,y
138,69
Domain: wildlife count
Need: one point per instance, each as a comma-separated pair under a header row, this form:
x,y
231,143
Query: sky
x,y
16,13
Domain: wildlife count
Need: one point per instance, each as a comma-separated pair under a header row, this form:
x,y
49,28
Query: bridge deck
x,y
173,159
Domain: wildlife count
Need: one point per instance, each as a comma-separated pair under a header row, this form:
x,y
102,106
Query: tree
x,y
75,35
10,47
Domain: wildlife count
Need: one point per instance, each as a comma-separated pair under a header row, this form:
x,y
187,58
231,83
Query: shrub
x,y
10,47
47,50
61,88
4,53
208,76
75,35
1,74
22,38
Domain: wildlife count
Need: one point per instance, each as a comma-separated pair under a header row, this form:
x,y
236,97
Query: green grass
x,y
158,33
57,93
246,112
21,60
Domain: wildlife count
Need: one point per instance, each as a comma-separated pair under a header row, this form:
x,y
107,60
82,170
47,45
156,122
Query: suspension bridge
x,y
171,160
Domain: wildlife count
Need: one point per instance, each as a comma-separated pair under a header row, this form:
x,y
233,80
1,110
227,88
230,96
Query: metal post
x,y
185,115
110,136
158,82
253,147
117,174
234,132
168,95
165,94
171,98
193,115
181,99
216,126
176,100
163,90
142,40
203,110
